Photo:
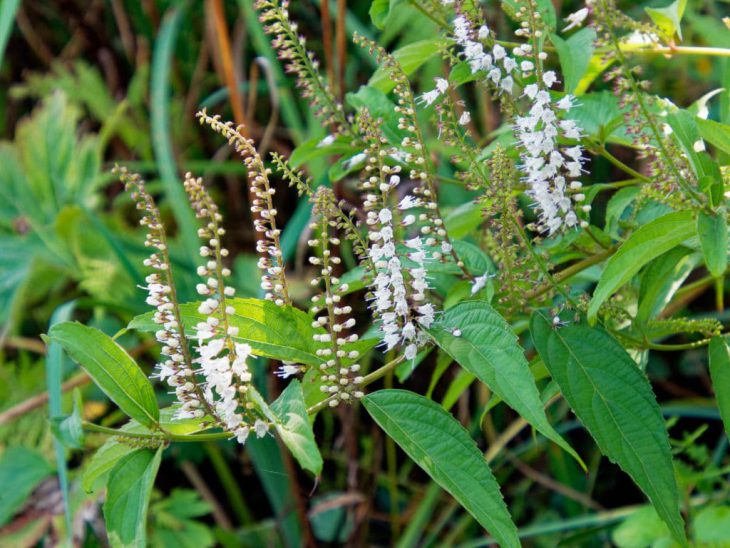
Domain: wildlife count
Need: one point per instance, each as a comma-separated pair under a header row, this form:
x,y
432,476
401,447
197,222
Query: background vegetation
x,y
88,84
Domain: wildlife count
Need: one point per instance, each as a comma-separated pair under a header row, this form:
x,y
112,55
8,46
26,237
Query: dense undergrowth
x,y
454,273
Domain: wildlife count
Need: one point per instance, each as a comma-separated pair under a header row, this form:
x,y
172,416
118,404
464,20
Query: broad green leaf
x,y
7,18
720,372
712,231
295,429
711,526
112,369
128,497
668,19
21,470
380,107
715,133
661,279
280,333
643,246
488,349
642,528
615,403
410,57
440,445
575,55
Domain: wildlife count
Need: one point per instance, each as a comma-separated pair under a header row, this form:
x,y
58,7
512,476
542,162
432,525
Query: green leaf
x,y
7,18
21,470
279,333
684,128
128,497
720,373
643,246
712,231
615,402
575,55
488,349
97,468
668,19
295,429
661,279
112,369
162,59
68,429
715,133
410,57
379,11
440,445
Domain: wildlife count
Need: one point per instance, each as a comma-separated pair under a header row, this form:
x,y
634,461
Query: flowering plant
x,y
526,261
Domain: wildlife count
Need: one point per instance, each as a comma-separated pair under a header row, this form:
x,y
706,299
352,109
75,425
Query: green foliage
x,y
441,446
128,497
487,348
647,243
614,401
20,472
113,370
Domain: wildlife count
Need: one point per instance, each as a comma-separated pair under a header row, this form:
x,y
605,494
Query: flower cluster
x,y
339,369
177,367
292,49
413,152
550,172
268,244
399,289
221,360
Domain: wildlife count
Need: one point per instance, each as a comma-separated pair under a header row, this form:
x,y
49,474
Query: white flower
x,y
355,160
261,428
442,85
288,370
409,202
576,19
429,97
326,141
699,145
479,283
549,78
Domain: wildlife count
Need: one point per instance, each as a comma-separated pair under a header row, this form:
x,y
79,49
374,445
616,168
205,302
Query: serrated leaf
x,y
112,369
615,403
280,333
643,246
410,57
720,373
128,497
440,445
295,429
575,55
488,349
712,232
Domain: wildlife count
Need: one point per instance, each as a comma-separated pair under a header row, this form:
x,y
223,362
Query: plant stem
x,y
571,271
229,484
622,166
